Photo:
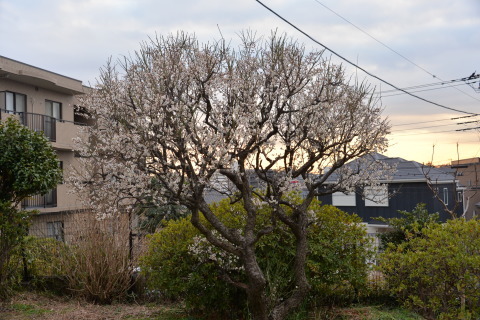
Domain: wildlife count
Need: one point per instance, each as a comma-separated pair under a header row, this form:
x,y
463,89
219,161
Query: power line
x,y
431,89
457,130
420,122
431,85
467,129
472,115
388,47
442,125
420,128
383,44
355,65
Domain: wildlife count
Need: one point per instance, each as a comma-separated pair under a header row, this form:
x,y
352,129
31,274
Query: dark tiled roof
x,y
407,170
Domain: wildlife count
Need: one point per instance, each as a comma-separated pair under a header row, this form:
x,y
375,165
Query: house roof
x,y
407,170
412,170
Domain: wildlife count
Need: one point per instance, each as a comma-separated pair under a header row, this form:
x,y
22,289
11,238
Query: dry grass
x,y
98,266
29,306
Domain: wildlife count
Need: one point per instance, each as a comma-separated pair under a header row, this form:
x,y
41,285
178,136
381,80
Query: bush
x,y
438,272
39,261
170,267
13,228
408,226
181,264
97,264
28,166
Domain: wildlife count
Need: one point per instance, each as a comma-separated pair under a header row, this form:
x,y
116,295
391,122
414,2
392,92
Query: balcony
x,y
59,132
48,200
37,122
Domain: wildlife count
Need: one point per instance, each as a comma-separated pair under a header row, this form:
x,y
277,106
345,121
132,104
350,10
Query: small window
x,y
50,199
376,196
340,199
53,109
55,230
459,196
445,195
15,102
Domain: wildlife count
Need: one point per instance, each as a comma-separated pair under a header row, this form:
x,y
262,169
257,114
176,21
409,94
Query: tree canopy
x,y
179,119
28,166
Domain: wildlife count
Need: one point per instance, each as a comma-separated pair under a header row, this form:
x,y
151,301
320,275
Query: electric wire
x,y
441,125
420,122
428,127
414,134
388,47
355,65
431,89
441,83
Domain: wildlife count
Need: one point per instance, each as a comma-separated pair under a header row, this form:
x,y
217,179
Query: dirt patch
x,y
26,306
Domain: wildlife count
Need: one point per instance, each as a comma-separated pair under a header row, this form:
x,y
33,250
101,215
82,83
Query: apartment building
x,y
45,101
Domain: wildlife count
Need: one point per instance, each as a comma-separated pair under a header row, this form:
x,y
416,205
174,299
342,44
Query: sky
x,y
407,43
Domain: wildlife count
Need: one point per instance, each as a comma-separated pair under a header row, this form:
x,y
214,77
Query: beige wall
x,y
83,225
36,97
468,175
77,224
40,85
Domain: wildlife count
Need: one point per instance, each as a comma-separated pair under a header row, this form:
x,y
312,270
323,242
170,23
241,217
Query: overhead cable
x,y
451,86
357,66
396,52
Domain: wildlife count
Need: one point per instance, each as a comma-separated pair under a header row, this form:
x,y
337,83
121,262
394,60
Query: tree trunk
x,y
282,310
257,300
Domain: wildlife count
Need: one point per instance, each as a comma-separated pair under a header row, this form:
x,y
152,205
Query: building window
x,y
51,198
459,196
53,109
340,199
445,195
48,200
15,102
55,230
376,196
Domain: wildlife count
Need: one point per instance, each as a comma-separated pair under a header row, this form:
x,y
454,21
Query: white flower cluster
x,y
178,113
206,252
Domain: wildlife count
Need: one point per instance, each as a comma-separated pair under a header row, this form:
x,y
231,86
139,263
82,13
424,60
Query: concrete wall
x,y
39,85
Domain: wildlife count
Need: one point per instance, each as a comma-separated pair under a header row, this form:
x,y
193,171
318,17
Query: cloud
x,y
76,37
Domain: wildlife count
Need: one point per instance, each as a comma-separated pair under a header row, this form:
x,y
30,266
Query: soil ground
x,y
29,306
40,306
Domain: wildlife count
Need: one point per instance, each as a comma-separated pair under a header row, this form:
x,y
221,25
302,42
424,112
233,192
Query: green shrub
x,y
408,226
181,264
28,166
13,228
38,262
438,273
171,268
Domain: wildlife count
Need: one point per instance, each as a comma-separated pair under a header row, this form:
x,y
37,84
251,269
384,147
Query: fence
x,y
75,226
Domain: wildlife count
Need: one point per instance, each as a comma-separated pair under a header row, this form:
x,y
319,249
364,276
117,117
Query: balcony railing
x,y
38,122
46,201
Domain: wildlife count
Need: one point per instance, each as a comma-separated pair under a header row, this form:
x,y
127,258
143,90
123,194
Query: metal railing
x,y
48,200
37,122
